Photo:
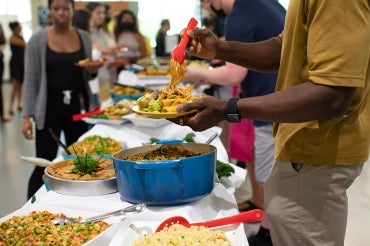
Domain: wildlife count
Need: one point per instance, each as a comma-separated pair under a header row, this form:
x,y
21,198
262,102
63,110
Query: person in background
x,y
320,110
4,118
127,34
250,21
225,91
108,20
54,88
103,40
17,46
160,48
81,19
218,18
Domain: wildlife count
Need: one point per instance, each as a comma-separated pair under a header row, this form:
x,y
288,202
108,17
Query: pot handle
x,y
158,164
169,141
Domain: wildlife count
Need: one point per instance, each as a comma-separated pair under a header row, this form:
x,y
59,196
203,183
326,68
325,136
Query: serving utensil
x,y
178,53
211,138
41,162
137,208
57,140
254,215
94,111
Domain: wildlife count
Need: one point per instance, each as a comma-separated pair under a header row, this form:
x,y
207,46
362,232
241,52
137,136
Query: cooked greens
x,y
223,169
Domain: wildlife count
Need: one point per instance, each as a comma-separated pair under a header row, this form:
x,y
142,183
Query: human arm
x,y
33,73
304,102
229,74
263,56
17,41
142,46
27,128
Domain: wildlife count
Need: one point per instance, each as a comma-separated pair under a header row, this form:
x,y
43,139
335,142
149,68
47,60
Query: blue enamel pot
x,y
165,182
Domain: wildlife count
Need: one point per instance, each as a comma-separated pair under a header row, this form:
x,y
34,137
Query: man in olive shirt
x,y
320,110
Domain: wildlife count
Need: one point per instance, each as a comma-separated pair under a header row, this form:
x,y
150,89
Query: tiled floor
x,y
14,175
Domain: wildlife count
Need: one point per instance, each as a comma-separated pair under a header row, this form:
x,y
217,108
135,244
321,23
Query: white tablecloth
x,y
219,203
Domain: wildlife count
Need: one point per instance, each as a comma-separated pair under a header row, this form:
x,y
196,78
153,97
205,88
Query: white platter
x,y
94,121
143,121
154,77
126,234
102,239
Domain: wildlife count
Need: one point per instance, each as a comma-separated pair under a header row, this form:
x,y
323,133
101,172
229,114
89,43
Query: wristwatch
x,y
232,114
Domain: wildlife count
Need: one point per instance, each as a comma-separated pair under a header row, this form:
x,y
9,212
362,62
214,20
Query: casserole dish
x,y
165,182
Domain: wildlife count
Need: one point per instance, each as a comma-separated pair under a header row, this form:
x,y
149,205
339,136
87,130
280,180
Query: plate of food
x,y
82,176
145,121
162,115
32,223
163,103
94,145
112,115
90,63
134,232
122,91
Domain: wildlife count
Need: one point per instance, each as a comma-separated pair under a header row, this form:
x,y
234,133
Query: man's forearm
x,y
262,56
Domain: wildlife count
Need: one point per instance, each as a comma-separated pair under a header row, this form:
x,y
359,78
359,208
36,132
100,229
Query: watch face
x,y
233,118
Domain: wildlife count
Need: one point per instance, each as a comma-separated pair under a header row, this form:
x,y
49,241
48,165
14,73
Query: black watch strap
x,y
232,114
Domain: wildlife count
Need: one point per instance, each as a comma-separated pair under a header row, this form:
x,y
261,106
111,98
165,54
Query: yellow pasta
x,y
169,97
177,72
169,109
178,235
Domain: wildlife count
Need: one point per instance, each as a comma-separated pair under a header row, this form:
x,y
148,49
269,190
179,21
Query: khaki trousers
x,y
307,204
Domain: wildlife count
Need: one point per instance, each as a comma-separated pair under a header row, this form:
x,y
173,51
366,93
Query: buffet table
x,y
124,229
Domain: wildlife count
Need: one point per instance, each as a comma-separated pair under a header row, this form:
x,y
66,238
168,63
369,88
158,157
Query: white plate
x,y
154,81
161,77
101,239
144,121
94,121
126,234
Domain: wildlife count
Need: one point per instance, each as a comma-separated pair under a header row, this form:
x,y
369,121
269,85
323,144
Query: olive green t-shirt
x,y
327,42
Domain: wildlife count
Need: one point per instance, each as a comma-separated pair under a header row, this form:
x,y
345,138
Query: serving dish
x,y
145,121
80,187
102,239
93,121
96,146
121,91
118,97
165,182
130,230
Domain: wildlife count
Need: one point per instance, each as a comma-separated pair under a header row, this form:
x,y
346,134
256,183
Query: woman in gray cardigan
x,y
54,87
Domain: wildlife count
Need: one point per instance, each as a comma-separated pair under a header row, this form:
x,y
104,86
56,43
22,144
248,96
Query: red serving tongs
x,y
94,111
178,53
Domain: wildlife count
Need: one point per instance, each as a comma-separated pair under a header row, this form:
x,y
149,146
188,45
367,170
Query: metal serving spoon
x,y
254,215
137,208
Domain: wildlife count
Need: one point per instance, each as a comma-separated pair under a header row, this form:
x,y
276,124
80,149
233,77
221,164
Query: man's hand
x,y
210,112
204,43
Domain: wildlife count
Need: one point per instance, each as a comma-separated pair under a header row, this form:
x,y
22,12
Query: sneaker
x,y
262,238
